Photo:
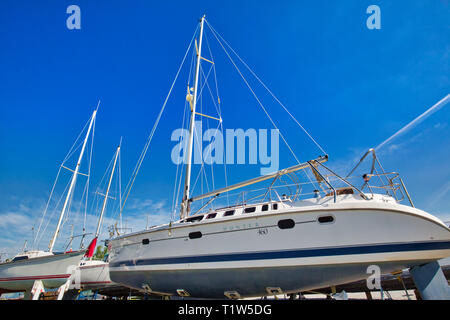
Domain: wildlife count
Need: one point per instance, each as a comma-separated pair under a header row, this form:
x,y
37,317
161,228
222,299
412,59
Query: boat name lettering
x,y
240,226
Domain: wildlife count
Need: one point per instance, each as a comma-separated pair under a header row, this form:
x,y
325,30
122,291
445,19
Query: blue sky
x,y
351,87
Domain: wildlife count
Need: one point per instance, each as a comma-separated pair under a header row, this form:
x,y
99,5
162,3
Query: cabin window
x,y
265,207
326,219
20,258
145,241
286,224
195,235
250,210
228,213
211,215
275,206
194,219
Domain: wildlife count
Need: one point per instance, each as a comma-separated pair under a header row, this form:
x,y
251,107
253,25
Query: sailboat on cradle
x,y
280,244
33,271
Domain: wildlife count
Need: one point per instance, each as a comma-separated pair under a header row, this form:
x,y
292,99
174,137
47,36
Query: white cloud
x,y
14,220
444,190
15,228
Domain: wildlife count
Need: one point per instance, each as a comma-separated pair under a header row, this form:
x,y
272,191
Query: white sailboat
x,y
33,271
281,244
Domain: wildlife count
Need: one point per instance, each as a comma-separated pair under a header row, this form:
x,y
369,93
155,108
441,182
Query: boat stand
x,y
37,289
431,282
62,290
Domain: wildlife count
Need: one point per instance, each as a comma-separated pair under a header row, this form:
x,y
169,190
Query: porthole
x,y
211,215
145,241
326,219
265,207
195,235
275,206
286,224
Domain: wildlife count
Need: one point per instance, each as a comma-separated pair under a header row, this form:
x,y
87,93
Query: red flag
x,y
90,250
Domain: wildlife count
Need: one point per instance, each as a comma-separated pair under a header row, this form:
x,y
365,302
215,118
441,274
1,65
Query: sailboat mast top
x,y
185,202
72,183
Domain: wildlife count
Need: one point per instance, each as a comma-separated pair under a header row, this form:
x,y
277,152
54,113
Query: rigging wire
x,y
142,156
46,208
268,90
85,194
202,168
215,132
115,209
75,146
255,96
53,213
178,181
257,99
178,178
218,109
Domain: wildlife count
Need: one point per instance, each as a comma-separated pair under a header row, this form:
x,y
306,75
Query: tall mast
x,y
107,193
72,184
185,202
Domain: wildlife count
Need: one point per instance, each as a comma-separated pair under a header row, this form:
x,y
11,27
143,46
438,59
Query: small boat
x,y
37,269
280,244
53,269
94,275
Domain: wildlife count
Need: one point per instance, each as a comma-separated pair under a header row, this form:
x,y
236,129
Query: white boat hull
x,y
52,270
250,254
94,275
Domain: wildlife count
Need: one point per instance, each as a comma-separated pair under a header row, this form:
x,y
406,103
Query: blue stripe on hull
x,y
303,253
